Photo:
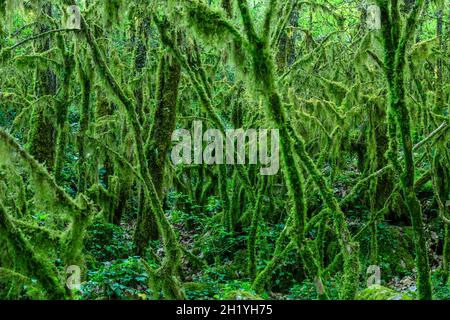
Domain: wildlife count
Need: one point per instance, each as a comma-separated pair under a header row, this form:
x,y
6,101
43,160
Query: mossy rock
x,y
240,295
377,292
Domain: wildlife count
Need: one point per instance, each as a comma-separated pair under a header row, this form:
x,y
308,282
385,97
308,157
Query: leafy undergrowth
x,y
114,273
117,279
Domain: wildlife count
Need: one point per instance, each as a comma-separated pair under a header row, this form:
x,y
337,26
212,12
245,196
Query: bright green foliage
x,y
87,180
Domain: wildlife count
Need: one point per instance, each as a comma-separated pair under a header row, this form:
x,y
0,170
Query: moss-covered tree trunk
x,y
42,134
158,144
396,37
62,107
85,118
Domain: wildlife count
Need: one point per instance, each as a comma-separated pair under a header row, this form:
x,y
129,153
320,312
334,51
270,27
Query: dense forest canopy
x,y
224,149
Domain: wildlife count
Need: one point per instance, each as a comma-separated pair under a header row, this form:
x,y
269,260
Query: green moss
x,y
74,237
377,292
30,262
240,295
62,109
396,250
85,118
314,270
3,4
111,12
5,55
210,23
43,181
167,273
396,36
251,243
